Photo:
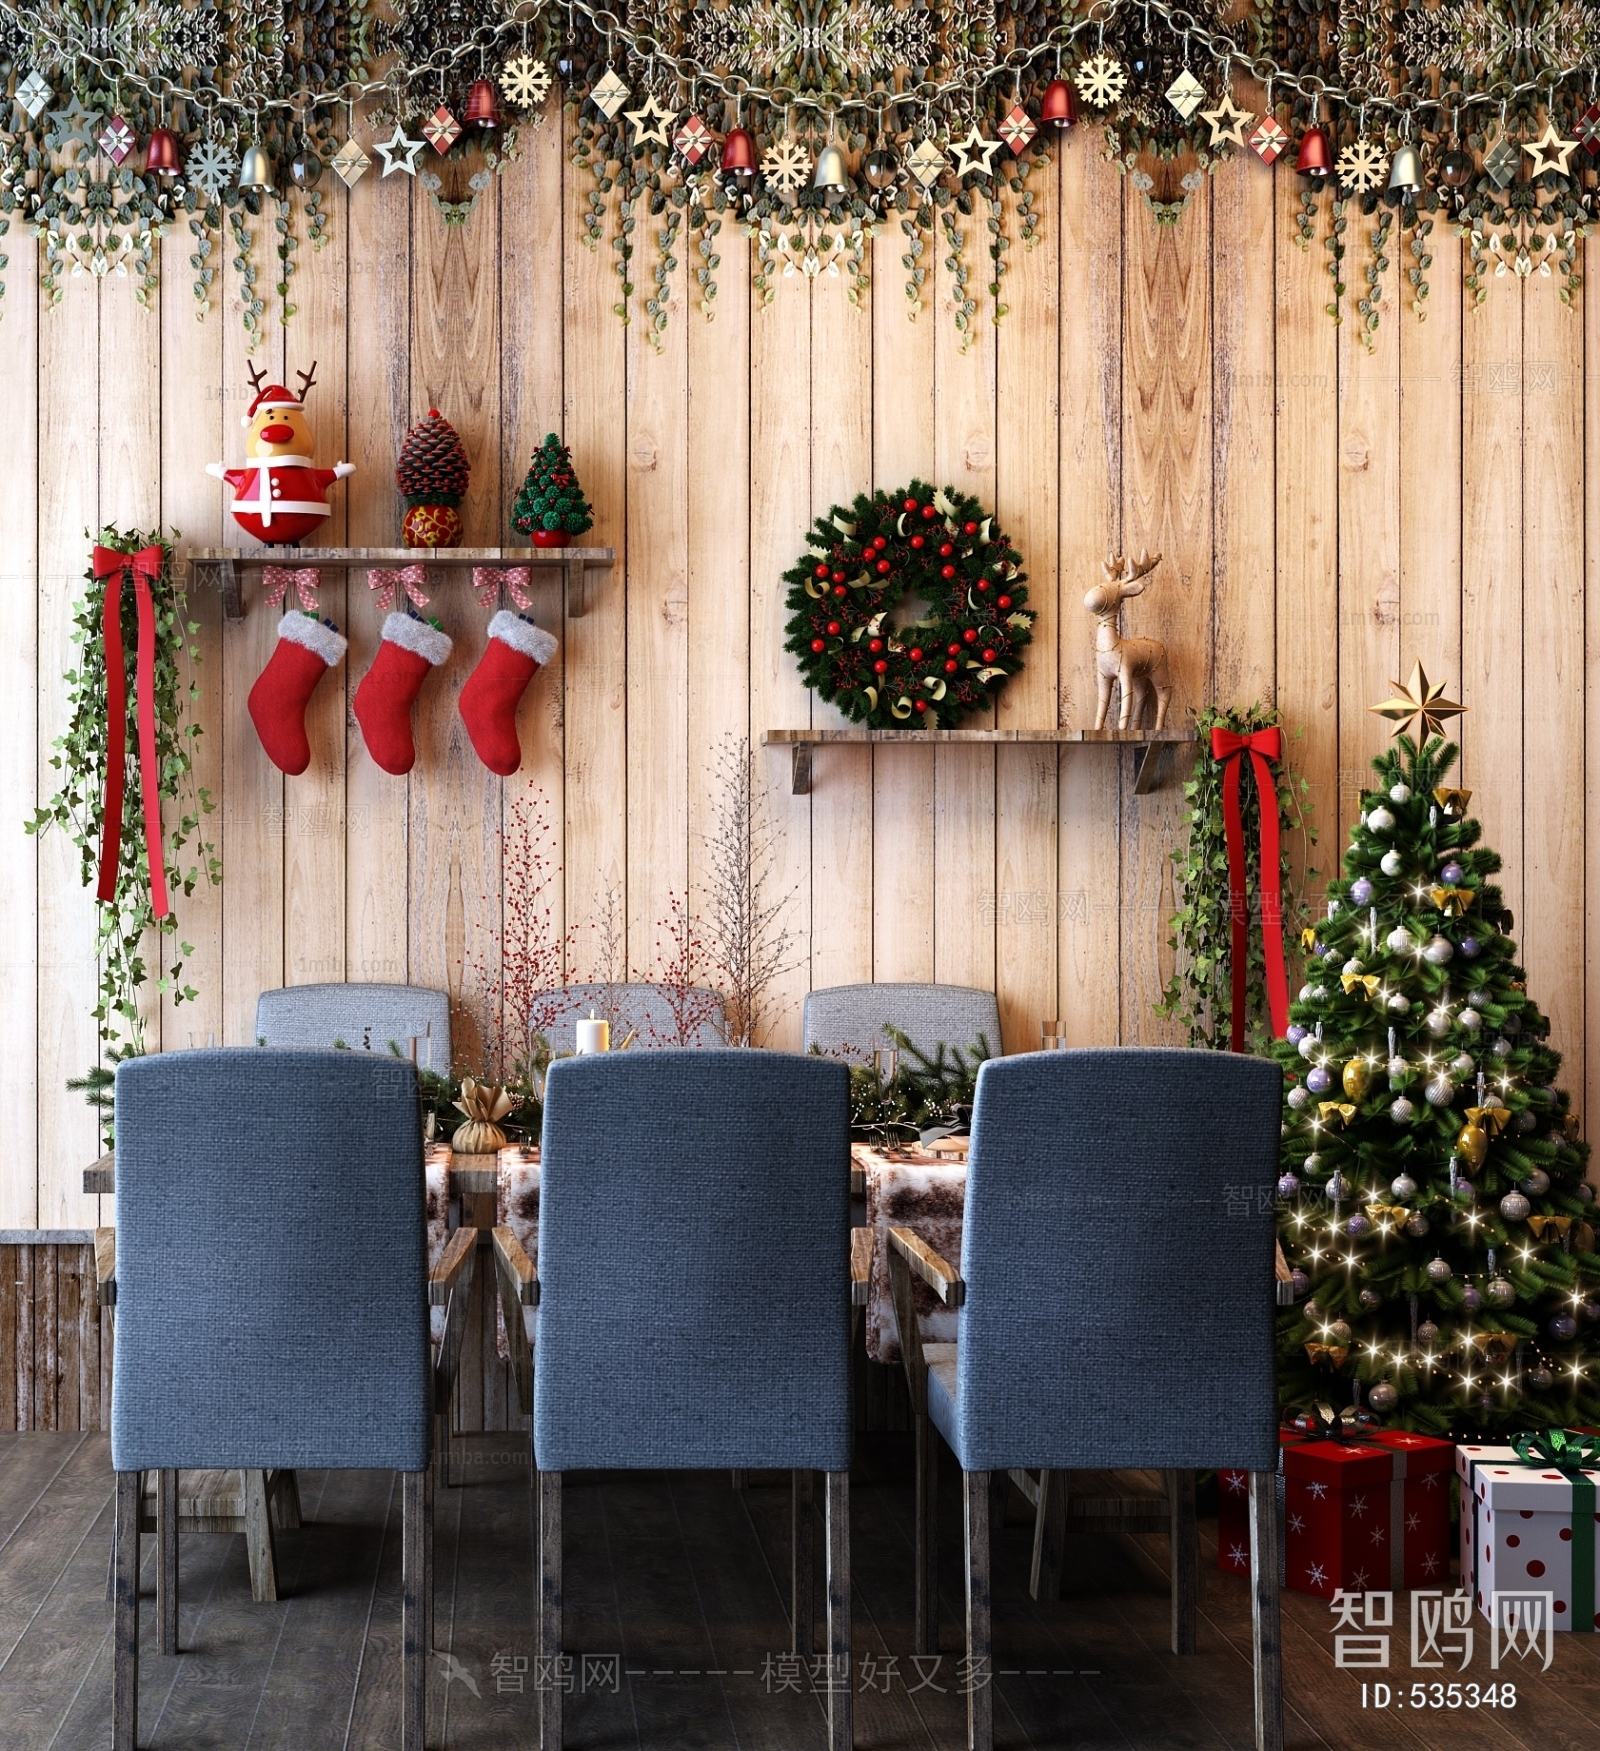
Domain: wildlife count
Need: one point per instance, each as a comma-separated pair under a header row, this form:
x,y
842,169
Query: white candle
x,y
594,1036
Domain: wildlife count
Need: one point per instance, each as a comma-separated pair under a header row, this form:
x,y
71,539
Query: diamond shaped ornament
x,y
693,140
1185,94
117,140
1269,140
32,95
350,163
1588,129
1018,129
441,130
927,163
610,94
1500,164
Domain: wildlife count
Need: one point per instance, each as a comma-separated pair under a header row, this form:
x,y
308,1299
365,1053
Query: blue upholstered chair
x,y
694,1296
1116,1303
656,1015
853,1017
365,1017
272,1301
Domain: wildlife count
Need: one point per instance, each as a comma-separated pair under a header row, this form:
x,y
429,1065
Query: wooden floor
x,y
681,1580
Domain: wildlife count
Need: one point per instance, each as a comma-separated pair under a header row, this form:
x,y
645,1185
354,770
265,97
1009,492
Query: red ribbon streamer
x,y
144,567
1262,746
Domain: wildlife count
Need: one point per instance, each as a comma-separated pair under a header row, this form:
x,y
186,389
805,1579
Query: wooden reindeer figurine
x,y
1139,664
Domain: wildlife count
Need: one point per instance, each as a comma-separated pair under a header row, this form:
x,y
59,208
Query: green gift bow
x,y
1568,1452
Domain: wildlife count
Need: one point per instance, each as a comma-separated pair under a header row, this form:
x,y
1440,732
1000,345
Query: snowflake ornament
x,y
1101,80
1269,140
441,130
1360,167
610,94
32,95
350,163
786,165
117,141
693,139
525,81
1186,94
927,163
211,168
1018,129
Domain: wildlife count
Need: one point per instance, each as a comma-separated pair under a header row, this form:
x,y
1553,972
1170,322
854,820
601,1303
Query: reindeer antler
x,y
1144,565
257,378
307,379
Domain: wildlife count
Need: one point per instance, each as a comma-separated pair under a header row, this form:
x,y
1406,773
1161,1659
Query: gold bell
x,y
833,174
1405,172
255,169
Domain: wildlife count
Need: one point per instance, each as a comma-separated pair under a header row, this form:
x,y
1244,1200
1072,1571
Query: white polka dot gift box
x,y
1528,1523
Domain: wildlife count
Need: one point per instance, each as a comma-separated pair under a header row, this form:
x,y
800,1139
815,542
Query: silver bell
x,y
833,174
255,169
1405,172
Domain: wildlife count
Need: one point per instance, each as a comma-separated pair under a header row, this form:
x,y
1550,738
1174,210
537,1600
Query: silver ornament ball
x,y
1469,1019
1440,1092
1499,1293
1439,1271
1439,951
1403,1186
1379,820
1540,1378
1513,1206
1390,863
1427,1332
1370,1299
1535,1184
1400,939
1417,1225
1401,1110
1400,1005
1383,1397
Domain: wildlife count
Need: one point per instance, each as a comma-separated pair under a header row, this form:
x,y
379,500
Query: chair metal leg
x,y
925,1627
841,1714
125,1642
740,1478
427,1562
802,1561
1184,1535
167,1559
1049,1534
258,1539
980,1649
548,1645
1265,1626
414,1538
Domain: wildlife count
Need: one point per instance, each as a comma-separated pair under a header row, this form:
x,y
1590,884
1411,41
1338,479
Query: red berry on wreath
x,y
951,666
929,512
1003,601
839,590
916,654
969,528
988,656
919,705
839,577
875,644
880,542
955,650
884,567
946,550
880,667
819,645
911,504
822,571
917,541
970,635
834,629
984,587
947,571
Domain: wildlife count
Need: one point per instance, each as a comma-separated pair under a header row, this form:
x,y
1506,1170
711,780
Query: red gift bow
x,y
489,580
307,579
144,567
386,581
1262,746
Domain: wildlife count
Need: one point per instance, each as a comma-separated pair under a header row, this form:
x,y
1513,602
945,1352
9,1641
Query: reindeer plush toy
x,y
280,496
1138,664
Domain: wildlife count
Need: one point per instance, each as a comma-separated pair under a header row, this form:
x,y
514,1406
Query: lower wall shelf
x,y
1151,743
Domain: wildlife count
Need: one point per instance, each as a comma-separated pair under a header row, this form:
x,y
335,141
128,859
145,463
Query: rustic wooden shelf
x,y
1152,743
218,568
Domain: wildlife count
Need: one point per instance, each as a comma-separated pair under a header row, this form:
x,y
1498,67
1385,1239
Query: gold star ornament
x,y
1227,122
1420,702
1549,152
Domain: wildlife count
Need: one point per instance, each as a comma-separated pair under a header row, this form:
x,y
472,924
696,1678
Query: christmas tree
x,y
551,501
1432,1205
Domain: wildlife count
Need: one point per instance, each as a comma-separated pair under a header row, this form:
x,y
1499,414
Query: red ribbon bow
x,y
489,580
1262,746
386,580
144,567
306,579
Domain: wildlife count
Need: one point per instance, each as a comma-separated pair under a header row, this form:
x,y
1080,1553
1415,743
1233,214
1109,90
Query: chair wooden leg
x,y
414,1539
167,1559
548,1645
980,1650
925,1628
802,1562
1049,1535
259,1545
1184,1534
427,1563
841,1714
125,1643
285,1494
1265,1627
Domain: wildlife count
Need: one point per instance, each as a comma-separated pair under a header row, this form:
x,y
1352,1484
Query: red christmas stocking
x,y
307,649
383,701
517,650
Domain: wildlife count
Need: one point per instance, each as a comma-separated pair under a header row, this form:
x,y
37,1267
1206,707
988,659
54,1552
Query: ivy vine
x,y
125,922
1200,992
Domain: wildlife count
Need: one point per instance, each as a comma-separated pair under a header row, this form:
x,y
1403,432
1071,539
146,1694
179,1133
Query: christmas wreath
x,y
926,544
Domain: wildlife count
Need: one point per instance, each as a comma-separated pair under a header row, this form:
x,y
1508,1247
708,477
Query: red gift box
x,y
1233,1511
1368,1516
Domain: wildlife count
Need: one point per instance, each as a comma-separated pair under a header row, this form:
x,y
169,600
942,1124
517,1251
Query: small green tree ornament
x,y
551,506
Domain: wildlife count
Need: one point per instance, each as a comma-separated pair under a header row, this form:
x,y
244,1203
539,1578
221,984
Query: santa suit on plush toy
x,y
281,496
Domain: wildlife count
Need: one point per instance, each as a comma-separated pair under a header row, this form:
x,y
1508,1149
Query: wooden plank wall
x,y
1328,512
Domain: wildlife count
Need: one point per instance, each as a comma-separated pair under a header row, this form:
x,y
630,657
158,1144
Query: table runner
x,y
927,1195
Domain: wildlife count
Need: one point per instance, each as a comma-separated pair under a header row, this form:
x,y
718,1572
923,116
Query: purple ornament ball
x,y
1470,947
1471,1300
1563,1326
1288,1185
1358,1224
1451,873
1319,1081
1299,1282
1295,1034
1361,891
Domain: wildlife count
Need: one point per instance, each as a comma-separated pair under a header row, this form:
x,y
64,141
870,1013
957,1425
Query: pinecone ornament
x,y
432,475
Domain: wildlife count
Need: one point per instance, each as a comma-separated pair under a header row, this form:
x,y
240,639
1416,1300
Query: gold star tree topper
x,y
1420,701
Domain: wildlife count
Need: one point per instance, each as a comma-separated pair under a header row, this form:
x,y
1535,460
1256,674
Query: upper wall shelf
x,y
1152,743
219,567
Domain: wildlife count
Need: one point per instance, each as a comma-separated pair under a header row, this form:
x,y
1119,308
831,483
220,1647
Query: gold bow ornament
x,y
1453,902
1399,1214
1336,1110
1336,1353
1367,982
1451,801
1556,1225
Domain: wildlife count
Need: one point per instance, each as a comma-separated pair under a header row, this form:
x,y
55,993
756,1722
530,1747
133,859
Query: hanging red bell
x,y
1058,108
161,156
483,107
739,152
1316,157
